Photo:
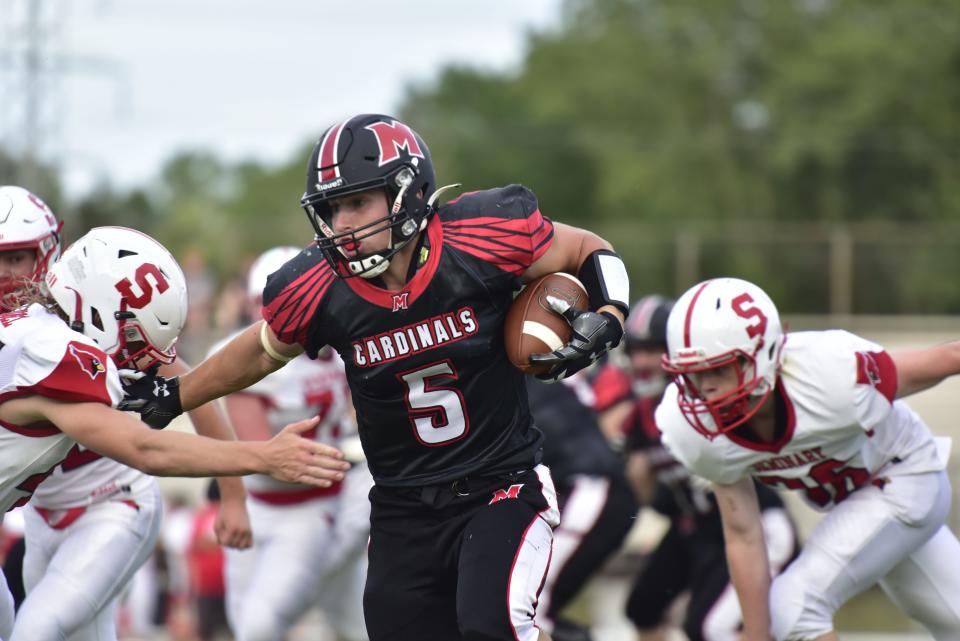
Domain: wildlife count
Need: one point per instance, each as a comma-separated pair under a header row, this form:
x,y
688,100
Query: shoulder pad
x,y
68,367
294,293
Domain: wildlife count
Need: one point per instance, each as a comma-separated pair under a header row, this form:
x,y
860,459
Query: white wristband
x,y
268,348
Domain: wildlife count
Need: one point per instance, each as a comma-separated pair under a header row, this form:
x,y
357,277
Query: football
x,y
532,327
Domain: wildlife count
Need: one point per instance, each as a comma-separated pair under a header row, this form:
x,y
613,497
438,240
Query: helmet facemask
x,y
727,411
135,350
406,196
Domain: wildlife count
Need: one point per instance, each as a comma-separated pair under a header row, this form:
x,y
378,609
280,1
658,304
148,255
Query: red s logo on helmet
x,y
740,306
139,301
392,137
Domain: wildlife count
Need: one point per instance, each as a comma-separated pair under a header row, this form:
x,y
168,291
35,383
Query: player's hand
x,y
593,335
295,459
155,398
232,526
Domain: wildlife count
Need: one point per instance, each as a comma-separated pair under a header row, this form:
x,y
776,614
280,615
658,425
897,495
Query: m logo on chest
x,y
400,301
511,492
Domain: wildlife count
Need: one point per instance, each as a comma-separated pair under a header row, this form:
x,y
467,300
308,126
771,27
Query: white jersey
x,y
84,477
41,356
303,388
843,429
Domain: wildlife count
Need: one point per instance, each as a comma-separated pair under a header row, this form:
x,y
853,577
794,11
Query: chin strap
x,y
375,264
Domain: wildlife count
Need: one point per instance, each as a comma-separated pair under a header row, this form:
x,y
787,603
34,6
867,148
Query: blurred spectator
x,y
12,547
205,560
201,288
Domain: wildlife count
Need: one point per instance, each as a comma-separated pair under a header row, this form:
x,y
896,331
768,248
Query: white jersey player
x,y
308,545
124,297
817,413
73,515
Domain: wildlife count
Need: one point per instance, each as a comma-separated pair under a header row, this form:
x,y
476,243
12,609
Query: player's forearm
x,y
209,420
241,363
750,575
921,369
170,453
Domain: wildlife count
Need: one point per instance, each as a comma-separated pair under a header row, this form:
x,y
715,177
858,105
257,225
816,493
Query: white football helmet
x,y
27,223
265,264
124,290
720,322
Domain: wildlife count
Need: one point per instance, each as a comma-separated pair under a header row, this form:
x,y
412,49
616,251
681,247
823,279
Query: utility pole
x,y
33,64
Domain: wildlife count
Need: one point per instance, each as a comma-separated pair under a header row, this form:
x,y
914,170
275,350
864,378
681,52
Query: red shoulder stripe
x,y
510,244
290,313
877,369
79,377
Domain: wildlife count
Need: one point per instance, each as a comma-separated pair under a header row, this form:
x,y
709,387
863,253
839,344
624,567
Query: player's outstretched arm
x,y
287,457
746,555
246,359
920,369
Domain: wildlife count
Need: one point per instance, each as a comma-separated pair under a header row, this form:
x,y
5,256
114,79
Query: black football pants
x,y
461,561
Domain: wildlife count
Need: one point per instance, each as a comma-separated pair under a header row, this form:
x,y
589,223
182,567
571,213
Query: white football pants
x,y
74,576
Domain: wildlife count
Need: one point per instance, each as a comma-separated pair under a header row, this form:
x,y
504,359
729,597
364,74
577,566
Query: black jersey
x,y
436,397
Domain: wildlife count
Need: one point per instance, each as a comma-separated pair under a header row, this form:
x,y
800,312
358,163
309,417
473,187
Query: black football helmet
x,y
646,325
365,152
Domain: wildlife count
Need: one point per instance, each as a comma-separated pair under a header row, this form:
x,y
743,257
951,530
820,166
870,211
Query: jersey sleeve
x,y
294,293
875,386
73,371
502,227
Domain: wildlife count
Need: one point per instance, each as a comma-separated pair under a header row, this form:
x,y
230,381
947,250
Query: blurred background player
x,y
689,559
632,379
94,521
597,507
308,545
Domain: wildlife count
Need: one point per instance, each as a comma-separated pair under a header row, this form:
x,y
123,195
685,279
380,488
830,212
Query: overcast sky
x,y
252,78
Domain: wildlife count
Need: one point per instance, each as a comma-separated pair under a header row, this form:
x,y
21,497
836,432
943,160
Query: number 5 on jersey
x,y
436,412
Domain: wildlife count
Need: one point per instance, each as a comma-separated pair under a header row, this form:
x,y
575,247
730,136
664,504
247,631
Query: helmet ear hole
x,y
95,319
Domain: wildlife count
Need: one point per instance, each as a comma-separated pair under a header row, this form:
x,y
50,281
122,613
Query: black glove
x,y
593,335
156,398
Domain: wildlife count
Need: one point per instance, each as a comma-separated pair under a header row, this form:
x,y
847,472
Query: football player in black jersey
x,y
413,296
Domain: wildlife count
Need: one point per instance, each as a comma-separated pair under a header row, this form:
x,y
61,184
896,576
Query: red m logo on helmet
x,y
392,137
511,492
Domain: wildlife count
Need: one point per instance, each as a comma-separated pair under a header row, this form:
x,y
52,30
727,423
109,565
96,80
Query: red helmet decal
x,y
742,309
42,206
392,137
327,167
139,301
